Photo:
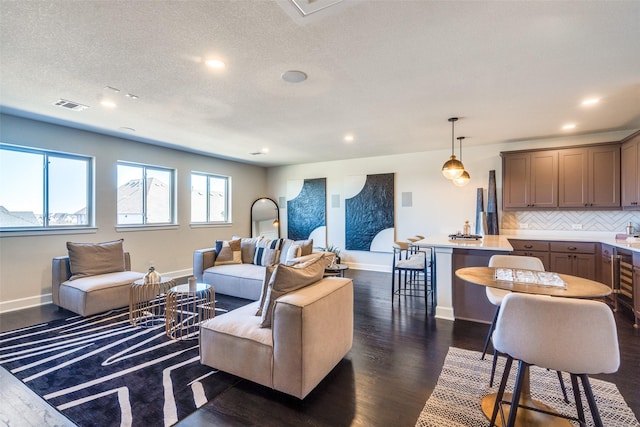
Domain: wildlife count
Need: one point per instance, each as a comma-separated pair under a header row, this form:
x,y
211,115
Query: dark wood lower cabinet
x,y
606,273
581,265
636,289
470,301
542,256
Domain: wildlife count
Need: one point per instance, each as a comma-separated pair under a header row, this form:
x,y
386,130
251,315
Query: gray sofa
x,y
311,331
240,280
91,294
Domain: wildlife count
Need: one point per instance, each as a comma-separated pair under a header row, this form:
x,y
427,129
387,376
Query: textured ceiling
x,y
388,72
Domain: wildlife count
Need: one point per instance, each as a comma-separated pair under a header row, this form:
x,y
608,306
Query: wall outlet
x,y
576,226
523,225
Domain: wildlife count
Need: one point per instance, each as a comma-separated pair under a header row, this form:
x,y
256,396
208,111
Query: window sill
x,y
47,232
138,227
212,225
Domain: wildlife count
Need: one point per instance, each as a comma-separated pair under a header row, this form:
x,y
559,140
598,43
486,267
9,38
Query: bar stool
x,y
415,265
564,334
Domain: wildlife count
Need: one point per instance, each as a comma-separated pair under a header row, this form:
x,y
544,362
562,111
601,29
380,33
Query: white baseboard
x,y
369,267
187,272
445,313
19,304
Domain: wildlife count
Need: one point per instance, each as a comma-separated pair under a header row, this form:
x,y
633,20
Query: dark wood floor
x,y
387,377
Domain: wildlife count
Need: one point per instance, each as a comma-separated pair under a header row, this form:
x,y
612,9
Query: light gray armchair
x,y
91,294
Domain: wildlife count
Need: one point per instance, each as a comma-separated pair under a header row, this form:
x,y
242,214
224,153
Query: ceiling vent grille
x,y
307,7
70,105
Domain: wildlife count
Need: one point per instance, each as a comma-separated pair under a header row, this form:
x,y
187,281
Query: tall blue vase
x,y
492,205
481,218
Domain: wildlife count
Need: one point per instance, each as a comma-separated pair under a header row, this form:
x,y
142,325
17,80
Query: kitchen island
x,y
467,301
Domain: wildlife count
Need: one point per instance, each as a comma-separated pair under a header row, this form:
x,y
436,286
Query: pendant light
x,y
463,179
453,168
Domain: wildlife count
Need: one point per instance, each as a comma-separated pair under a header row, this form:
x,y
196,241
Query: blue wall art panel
x,y
370,213
307,211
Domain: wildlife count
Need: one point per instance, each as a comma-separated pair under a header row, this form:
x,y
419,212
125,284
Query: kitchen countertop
x,y
501,242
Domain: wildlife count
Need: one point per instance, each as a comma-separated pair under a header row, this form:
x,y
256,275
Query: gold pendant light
x,y
464,178
453,168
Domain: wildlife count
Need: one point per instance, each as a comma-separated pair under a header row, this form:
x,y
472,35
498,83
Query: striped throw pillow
x,y
267,252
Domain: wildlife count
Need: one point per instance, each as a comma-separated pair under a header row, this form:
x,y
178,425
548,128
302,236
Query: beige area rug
x,y
465,379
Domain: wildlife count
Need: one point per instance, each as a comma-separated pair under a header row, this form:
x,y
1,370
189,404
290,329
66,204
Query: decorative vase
x,y
492,205
481,216
152,276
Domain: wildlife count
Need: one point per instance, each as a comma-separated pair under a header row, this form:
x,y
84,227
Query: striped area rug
x,y
455,402
101,371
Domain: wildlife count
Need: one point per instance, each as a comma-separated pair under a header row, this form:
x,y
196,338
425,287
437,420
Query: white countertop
x,y
501,242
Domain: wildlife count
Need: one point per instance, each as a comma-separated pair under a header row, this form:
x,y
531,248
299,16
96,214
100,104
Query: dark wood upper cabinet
x,y
589,177
530,180
630,172
584,177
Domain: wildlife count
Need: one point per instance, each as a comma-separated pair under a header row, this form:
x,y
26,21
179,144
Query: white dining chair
x,y
564,334
495,296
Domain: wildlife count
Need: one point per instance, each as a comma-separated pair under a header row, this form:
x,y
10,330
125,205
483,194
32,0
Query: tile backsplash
x,y
615,221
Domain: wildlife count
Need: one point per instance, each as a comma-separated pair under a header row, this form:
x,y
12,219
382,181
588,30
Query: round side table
x,y
186,308
336,270
145,304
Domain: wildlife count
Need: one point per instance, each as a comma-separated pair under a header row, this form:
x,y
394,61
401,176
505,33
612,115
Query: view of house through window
x,y
145,195
43,189
209,198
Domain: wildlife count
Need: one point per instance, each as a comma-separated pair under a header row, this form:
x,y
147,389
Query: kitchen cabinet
x,y
606,273
636,289
470,301
534,248
589,177
630,172
575,258
530,179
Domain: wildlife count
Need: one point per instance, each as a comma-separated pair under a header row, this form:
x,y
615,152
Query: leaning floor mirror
x,y
265,218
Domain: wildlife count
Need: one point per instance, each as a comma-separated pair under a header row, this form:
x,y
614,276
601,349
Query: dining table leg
x,y
524,417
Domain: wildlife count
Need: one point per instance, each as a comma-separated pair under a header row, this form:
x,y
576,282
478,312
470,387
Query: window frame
x,y
173,221
227,200
89,186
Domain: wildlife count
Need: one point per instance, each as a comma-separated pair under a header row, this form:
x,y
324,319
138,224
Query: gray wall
x,y
25,260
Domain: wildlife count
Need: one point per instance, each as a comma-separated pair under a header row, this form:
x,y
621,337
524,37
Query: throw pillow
x,y
286,279
267,252
228,252
294,252
265,288
306,246
91,259
248,247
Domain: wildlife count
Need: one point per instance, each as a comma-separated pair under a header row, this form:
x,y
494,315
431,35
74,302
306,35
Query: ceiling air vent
x,y
70,105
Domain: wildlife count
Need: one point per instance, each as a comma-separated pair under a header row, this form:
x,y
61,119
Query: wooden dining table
x,y
575,287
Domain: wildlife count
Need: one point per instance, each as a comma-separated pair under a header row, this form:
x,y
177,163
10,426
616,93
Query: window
x,y
44,189
209,198
145,195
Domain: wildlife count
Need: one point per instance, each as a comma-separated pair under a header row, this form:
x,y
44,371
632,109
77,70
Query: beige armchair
x,y
312,330
91,294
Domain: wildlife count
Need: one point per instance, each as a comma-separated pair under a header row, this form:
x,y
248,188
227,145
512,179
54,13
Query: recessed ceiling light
x,y
214,63
569,126
590,101
108,104
294,76
349,138
264,150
